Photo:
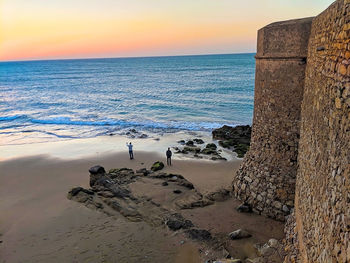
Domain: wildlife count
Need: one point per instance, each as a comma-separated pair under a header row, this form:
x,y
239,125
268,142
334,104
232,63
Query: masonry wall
x,y
322,202
266,179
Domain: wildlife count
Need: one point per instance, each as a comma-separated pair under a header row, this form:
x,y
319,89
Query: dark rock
x,y
165,184
211,146
181,142
119,191
95,173
143,136
176,222
192,149
177,191
97,169
143,171
228,132
218,158
157,166
198,156
76,190
237,137
239,234
198,141
133,130
244,208
199,234
209,151
241,149
189,143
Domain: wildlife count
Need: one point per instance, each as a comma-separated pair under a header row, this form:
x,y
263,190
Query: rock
x,y
273,243
241,149
76,190
240,133
199,234
209,151
244,208
157,166
198,141
189,143
133,130
239,234
143,136
218,158
181,142
165,184
176,222
211,146
219,195
192,149
143,171
177,191
95,173
97,169
238,137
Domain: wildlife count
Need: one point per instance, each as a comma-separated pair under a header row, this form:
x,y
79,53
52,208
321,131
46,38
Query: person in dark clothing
x,y
168,156
131,153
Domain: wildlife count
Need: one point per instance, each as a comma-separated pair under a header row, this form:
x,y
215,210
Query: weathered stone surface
x,y
321,232
271,162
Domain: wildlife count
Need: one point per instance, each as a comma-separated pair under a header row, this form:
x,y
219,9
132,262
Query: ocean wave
x,y
173,125
10,118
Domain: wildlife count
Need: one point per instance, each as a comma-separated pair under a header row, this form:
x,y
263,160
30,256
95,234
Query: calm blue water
x,y
91,97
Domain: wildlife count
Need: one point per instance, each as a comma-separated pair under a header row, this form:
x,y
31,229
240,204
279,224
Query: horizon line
x,y
158,56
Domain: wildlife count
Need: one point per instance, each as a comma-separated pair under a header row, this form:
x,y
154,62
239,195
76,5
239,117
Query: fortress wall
x,y
266,179
322,204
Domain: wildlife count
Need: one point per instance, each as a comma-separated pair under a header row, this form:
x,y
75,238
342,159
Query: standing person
x,y
168,157
131,154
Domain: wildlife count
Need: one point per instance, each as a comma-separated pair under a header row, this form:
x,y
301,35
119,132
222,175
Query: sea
x,y
52,100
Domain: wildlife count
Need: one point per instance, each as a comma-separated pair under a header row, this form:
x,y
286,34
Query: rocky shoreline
x,y
126,192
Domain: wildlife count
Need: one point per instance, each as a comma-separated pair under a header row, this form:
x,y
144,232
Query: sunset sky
x,y
51,29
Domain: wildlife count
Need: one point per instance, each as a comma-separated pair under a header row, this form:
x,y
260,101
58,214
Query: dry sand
x,y
39,224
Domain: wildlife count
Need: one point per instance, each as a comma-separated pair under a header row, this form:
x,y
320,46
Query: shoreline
x,y
105,144
39,223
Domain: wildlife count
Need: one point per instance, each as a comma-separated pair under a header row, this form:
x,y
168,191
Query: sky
x,y
60,29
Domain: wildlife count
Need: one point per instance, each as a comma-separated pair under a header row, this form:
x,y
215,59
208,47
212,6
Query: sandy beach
x,y
39,223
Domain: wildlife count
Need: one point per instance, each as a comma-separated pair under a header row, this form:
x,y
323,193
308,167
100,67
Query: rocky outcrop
x,y
237,137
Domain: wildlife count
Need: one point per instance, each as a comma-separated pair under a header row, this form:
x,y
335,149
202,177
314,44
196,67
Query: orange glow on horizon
x,y
42,30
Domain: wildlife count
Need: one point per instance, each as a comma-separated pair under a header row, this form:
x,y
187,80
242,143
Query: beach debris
x,y
239,234
157,166
244,208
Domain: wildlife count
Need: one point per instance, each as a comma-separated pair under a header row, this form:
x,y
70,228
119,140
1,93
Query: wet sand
x,y
39,224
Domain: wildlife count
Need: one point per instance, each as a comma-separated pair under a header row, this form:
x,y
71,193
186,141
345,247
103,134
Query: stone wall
x,y
322,202
266,179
